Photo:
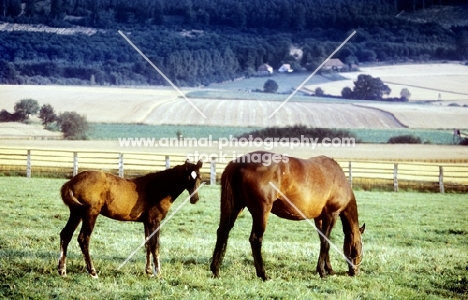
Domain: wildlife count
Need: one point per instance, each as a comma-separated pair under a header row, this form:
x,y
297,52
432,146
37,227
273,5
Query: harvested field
x,y
255,113
98,104
424,81
24,131
425,116
162,105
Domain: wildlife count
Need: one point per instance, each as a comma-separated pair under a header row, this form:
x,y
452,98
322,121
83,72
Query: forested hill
x,y
203,41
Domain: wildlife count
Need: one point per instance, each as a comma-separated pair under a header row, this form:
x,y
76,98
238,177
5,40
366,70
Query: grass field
x,y
103,131
415,247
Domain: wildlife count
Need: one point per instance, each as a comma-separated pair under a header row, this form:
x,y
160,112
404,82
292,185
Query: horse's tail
x,y
67,195
227,195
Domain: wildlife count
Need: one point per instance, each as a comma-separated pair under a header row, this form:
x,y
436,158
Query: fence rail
x,y
66,163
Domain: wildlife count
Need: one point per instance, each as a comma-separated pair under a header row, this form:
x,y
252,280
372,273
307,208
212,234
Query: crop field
x,y
414,247
98,104
424,81
425,116
163,105
257,114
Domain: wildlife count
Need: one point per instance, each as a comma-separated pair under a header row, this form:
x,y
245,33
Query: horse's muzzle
x,y
194,199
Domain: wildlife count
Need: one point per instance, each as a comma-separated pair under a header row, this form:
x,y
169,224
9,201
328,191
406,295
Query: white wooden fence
x,y
65,163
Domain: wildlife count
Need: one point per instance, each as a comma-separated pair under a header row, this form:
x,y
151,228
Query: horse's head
x,y
353,250
192,172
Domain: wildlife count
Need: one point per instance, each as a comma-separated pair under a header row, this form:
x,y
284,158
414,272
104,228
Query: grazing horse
x,y
293,189
144,199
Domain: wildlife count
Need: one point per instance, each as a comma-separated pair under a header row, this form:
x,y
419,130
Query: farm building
x,y
285,68
265,70
333,64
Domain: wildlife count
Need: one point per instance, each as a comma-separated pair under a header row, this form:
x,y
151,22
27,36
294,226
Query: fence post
x,y
75,163
441,179
350,177
28,164
168,162
121,165
395,177
213,171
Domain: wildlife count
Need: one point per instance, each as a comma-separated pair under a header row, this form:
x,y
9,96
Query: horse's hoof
x,y
62,273
264,277
215,274
93,274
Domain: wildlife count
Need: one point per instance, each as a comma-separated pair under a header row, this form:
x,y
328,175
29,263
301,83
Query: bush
x,y
404,139
47,114
319,92
298,131
73,126
5,116
270,86
26,107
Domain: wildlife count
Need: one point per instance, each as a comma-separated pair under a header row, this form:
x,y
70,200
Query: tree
x,y
7,72
73,126
405,94
347,93
367,87
270,86
26,107
319,92
47,114
13,8
56,8
462,44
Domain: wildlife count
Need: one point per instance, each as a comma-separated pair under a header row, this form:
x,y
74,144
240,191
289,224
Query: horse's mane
x,y
160,184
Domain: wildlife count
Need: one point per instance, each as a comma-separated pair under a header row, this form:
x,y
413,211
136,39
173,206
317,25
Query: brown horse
x,y
293,189
144,199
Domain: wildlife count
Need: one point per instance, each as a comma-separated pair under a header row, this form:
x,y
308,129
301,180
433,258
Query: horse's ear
x,y
187,161
361,230
199,164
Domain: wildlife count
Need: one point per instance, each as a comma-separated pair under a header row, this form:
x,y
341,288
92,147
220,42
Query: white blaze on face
x,y
194,174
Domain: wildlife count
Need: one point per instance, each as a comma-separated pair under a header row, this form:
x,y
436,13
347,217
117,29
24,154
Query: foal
x,y
145,199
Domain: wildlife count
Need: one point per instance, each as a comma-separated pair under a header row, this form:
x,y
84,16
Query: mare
x,y
294,189
145,199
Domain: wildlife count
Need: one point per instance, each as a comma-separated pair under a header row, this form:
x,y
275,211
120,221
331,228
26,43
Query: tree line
x,y
198,42
72,125
280,14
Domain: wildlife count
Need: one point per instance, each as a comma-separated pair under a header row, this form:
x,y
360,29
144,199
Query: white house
x,y
285,68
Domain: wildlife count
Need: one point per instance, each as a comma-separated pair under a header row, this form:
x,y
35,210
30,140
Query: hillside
x,y
200,42
164,106
446,16
426,82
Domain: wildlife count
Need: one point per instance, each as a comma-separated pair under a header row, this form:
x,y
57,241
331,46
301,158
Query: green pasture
x,y
415,248
106,131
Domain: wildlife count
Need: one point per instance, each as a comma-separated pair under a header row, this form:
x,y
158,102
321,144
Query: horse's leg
x,y
331,224
325,223
149,268
83,239
256,238
153,245
65,236
225,225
